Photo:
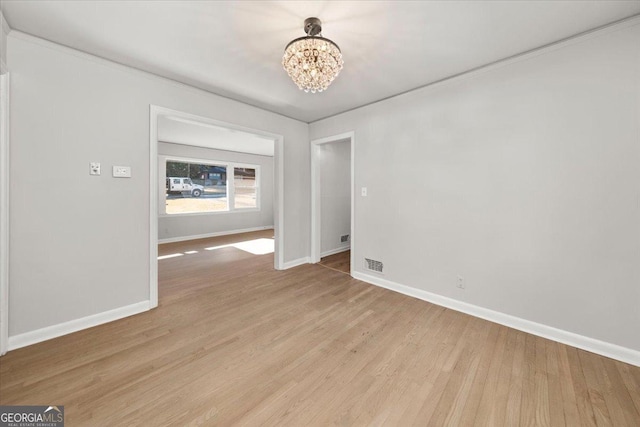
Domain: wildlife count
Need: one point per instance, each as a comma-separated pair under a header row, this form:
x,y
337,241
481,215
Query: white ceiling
x,y
234,48
180,131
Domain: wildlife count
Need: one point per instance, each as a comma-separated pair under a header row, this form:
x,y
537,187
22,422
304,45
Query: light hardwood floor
x,y
235,342
340,261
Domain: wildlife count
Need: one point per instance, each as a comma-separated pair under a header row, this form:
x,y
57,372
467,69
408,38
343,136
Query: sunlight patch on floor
x,y
255,247
169,256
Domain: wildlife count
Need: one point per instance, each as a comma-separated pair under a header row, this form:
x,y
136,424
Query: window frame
x,y
230,166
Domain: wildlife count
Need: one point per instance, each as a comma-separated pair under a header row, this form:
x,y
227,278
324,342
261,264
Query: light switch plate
x,y
122,171
364,191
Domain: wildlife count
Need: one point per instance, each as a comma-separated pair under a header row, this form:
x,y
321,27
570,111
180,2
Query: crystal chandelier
x,y
313,62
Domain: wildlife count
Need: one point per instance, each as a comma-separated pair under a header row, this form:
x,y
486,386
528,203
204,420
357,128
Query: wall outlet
x,y
460,282
94,168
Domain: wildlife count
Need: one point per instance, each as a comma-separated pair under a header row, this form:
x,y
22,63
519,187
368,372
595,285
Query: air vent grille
x,y
373,265
344,239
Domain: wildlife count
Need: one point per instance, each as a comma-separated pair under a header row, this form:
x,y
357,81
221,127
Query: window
x,y
201,186
246,191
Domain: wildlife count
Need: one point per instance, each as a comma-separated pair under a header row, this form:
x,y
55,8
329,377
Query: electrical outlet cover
x,y
94,168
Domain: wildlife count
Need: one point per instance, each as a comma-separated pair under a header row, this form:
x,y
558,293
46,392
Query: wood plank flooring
x,y
235,342
340,261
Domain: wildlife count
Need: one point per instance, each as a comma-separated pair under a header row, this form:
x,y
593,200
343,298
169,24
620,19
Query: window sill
x,y
235,211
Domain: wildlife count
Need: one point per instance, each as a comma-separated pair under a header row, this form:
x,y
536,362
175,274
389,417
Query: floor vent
x,y
344,239
373,265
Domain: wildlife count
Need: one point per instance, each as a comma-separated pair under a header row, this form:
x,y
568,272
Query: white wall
x,y
172,226
4,31
523,178
335,195
4,186
80,243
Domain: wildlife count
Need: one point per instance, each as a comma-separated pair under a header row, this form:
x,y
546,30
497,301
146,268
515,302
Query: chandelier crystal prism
x,y
312,62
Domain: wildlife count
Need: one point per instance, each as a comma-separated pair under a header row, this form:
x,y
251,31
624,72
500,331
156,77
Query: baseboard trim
x,y
216,234
602,348
335,251
50,332
296,262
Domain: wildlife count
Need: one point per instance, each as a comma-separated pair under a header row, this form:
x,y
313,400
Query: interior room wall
x,y
522,178
80,243
4,186
4,32
177,226
335,196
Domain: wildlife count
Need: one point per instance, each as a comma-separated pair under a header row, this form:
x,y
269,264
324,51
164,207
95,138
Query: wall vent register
x,y
373,265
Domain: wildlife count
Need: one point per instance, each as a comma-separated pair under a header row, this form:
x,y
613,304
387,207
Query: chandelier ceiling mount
x,y
312,26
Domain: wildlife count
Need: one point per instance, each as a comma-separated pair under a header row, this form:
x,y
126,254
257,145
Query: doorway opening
x,y
332,201
206,172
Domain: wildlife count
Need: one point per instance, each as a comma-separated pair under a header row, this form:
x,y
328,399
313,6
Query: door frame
x,y
278,193
316,208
